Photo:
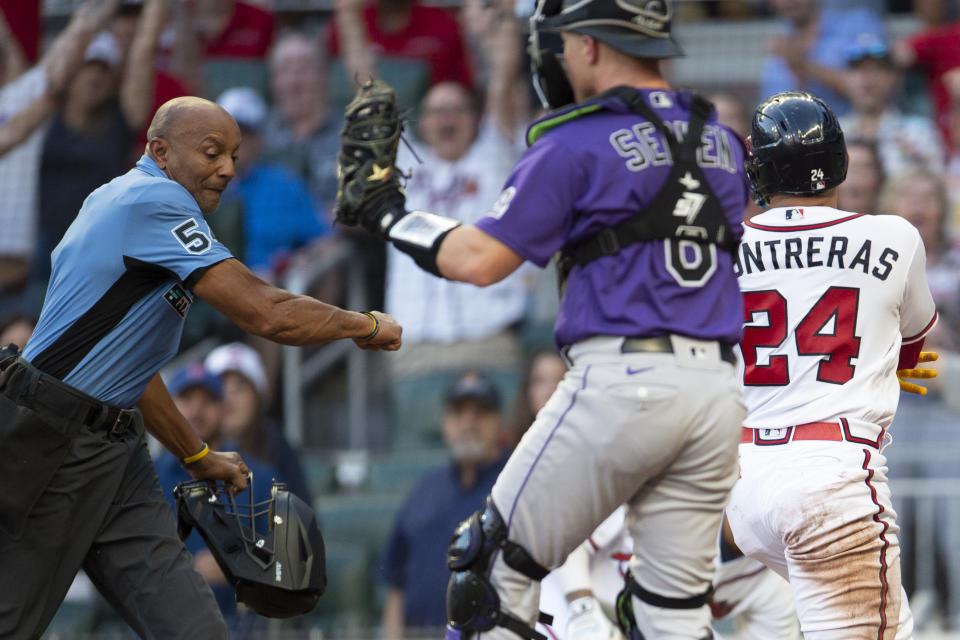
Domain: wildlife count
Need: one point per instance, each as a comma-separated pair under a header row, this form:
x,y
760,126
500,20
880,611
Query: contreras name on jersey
x,y
815,251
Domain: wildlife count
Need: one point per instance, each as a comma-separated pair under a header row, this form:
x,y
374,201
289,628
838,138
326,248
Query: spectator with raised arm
x,y
406,29
467,154
14,63
166,85
91,135
278,214
217,29
20,167
936,52
872,86
301,128
808,52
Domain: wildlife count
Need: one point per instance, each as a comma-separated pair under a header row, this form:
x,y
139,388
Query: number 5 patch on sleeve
x,y
191,237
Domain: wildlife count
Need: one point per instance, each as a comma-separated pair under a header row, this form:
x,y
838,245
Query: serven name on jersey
x,y
836,252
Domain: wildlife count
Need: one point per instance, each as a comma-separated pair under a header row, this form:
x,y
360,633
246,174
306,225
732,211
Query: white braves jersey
x,y
829,297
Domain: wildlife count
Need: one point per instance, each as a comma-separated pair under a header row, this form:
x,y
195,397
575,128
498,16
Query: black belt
x,y
663,344
25,384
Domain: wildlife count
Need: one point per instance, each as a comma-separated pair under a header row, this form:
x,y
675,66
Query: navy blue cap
x,y
195,375
473,386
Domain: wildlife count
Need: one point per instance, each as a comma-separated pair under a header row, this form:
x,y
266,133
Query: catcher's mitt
x,y
368,182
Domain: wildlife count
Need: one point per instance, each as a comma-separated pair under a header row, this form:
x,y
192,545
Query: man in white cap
x,y
245,402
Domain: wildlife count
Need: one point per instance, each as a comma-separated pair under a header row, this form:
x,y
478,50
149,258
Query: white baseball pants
x,y
819,514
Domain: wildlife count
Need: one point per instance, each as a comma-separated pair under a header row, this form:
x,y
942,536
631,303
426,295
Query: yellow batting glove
x,y
920,374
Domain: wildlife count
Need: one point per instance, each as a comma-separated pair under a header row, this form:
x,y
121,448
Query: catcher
x,y
649,410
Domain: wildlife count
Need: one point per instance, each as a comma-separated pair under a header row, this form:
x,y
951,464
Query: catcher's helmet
x,y
271,552
796,146
639,28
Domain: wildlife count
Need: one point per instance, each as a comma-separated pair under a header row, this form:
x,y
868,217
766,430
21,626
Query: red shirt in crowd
x,y
432,35
938,51
23,16
249,34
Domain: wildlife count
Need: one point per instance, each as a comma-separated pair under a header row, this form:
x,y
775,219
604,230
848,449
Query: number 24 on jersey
x,y
827,331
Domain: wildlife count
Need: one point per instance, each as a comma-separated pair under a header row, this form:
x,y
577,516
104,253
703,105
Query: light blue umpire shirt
x,y
120,287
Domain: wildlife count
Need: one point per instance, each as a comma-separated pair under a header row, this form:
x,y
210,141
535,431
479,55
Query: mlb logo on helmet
x,y
794,212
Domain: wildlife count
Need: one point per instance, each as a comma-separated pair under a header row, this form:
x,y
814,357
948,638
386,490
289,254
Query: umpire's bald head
x,y
194,141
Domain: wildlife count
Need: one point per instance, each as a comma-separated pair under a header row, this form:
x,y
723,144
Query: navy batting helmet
x,y
272,552
639,28
796,146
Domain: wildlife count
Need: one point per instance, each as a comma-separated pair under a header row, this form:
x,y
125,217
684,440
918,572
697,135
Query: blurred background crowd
x,y
394,449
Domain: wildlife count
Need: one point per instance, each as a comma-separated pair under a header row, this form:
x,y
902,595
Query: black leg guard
x,y
628,622
472,602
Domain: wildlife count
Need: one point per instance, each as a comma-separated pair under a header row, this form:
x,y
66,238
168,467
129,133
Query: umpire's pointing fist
x,y
384,333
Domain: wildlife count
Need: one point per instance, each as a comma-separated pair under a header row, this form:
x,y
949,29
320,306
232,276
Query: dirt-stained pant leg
x,y
824,508
618,423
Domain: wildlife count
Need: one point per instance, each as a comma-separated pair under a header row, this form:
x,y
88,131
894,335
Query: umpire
x,y
79,489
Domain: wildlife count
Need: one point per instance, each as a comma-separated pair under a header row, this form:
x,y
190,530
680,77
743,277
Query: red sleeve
x,y
910,355
23,17
926,45
458,65
333,38
249,34
451,62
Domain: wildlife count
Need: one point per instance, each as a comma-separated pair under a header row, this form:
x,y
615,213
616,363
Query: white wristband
x,y
421,229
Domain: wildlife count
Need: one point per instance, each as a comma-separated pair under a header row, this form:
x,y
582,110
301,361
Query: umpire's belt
x,y
837,431
663,344
28,386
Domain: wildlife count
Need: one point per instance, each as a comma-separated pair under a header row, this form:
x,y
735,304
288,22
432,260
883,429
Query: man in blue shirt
x,y
79,489
198,394
411,565
808,53
278,212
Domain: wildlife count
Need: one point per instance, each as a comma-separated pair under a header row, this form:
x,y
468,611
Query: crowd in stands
x,y
77,91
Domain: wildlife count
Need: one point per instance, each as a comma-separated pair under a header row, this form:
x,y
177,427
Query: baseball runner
x,y
835,303
641,192
79,488
581,594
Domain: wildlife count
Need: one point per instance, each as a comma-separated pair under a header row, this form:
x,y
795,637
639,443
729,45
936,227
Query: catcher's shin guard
x,y
472,602
628,622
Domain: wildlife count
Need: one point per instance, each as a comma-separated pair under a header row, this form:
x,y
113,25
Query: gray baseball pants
x,y
657,431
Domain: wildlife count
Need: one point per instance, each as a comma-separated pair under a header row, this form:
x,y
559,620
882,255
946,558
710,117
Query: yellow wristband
x,y
376,327
199,455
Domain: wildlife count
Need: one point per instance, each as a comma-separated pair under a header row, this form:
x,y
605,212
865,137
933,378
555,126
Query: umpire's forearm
x,y
301,320
165,422
267,311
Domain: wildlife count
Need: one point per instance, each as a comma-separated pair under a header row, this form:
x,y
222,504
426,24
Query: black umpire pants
x,y
78,490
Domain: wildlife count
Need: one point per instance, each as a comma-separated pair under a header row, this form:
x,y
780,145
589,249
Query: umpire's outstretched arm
x,y
280,316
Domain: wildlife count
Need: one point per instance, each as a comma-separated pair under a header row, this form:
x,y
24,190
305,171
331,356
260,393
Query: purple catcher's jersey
x,y
590,171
